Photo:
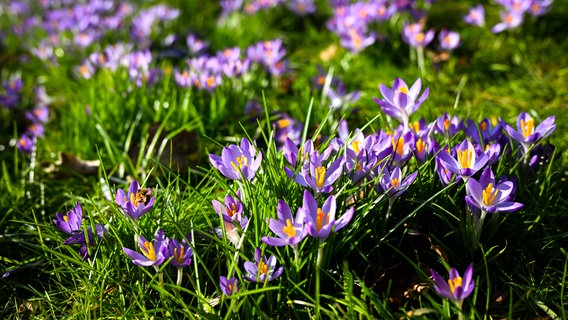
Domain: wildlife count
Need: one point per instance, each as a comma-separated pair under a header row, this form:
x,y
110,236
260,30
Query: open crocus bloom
x,y
457,288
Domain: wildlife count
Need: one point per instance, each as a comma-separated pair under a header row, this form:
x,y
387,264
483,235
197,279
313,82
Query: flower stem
x,y
460,312
479,226
179,277
318,267
296,257
420,54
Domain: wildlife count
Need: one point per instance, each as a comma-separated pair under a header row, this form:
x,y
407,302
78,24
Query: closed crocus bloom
x,y
238,162
475,16
137,202
456,288
228,286
527,134
71,221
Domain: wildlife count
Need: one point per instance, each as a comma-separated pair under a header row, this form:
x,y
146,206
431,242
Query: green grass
x,y
162,136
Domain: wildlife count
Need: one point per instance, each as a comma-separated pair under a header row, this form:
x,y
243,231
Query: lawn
x,y
283,159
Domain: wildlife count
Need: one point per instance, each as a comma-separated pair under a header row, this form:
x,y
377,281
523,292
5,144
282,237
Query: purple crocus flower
x,y
393,183
295,155
137,202
341,97
290,231
539,7
466,163
445,175
71,221
181,253
456,288
449,40
229,6
360,165
447,125
262,269
238,162
484,133
228,286
287,128
38,114
231,215
356,39
490,196
153,253
475,16
527,134
35,130
320,221
302,7
26,144
317,176
402,142
400,101
413,35
509,20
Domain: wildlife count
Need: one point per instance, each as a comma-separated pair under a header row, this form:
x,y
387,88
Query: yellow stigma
x,y
242,161
283,123
302,156
179,255
262,268
232,210
22,142
357,40
465,158
489,194
320,176
403,90
210,81
322,219
420,146
395,183
289,229
133,199
527,127
355,146
230,287
419,37
415,126
446,124
455,283
66,218
148,250
398,145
